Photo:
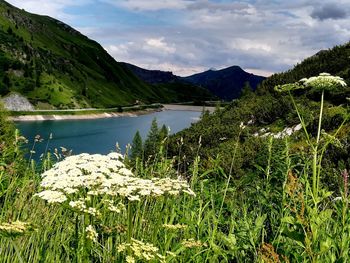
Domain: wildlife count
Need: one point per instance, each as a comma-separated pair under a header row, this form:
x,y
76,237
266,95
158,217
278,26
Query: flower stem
x,y
315,171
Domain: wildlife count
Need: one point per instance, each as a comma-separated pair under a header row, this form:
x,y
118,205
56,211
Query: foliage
x,y
151,146
136,148
253,199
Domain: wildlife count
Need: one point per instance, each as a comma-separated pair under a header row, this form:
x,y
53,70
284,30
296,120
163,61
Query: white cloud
x,y
187,36
158,45
148,5
53,8
250,45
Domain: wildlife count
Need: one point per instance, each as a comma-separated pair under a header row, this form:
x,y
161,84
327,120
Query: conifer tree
x,y
152,142
136,147
163,133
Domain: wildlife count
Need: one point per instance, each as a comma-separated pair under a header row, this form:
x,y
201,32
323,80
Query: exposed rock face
x,y
16,102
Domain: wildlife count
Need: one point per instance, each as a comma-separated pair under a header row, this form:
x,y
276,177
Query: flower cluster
x,y
99,175
174,227
141,251
133,188
323,82
14,229
191,243
91,233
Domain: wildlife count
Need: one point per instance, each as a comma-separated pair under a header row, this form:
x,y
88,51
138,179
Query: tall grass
x,y
274,217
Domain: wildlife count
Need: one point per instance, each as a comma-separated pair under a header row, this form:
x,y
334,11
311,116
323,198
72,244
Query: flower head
x,y
91,233
322,82
15,229
142,251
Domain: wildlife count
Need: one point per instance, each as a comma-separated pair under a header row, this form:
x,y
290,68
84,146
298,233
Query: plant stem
x,y
315,172
18,253
129,222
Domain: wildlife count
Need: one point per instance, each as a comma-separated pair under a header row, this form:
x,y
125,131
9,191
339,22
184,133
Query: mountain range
x,y
225,84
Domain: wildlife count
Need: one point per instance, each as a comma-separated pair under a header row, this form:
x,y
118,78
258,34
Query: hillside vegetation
x,y
269,111
54,65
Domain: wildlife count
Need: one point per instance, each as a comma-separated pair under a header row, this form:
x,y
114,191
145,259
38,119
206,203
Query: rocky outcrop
x,y
16,102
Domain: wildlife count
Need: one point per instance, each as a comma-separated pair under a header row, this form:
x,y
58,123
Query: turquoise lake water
x,y
100,135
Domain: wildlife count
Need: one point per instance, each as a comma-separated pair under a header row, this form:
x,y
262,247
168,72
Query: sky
x,y
191,36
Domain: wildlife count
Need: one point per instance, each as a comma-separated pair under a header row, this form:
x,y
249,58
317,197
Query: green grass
x,y
268,215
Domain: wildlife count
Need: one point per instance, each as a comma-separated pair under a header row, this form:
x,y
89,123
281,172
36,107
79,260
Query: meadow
x,y
149,207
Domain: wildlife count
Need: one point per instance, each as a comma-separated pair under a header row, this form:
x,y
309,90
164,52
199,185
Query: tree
x,y
246,90
136,147
152,141
3,89
163,133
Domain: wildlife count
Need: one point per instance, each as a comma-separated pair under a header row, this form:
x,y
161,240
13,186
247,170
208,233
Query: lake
x,y
100,135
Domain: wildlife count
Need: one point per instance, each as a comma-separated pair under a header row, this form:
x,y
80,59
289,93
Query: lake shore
x,y
57,117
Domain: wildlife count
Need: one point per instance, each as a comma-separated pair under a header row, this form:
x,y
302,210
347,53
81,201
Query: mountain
x,y
267,111
172,84
53,65
225,83
152,76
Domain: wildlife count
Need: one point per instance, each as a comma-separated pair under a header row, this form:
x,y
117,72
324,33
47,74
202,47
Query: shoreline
x,y
104,115
91,116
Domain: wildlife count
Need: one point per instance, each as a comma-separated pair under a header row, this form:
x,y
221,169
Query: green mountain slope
x,y
54,65
268,111
334,61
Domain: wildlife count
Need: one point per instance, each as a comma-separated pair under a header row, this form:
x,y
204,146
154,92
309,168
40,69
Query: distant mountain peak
x,y
225,83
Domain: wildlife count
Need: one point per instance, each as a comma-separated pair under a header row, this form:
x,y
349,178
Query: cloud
x,y
189,36
158,44
329,11
148,5
53,8
235,7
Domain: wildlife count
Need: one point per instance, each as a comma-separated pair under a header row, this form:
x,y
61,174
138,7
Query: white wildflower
x,y
80,205
102,175
14,229
91,233
52,196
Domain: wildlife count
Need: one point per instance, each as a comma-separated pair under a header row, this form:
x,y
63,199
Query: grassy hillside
x,y
268,111
54,65
334,61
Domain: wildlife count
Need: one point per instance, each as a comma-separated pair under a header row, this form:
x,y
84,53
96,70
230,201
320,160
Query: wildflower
x,y
191,243
242,126
111,207
80,205
101,175
91,233
37,138
130,259
141,251
174,227
323,82
172,254
92,211
52,196
14,229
